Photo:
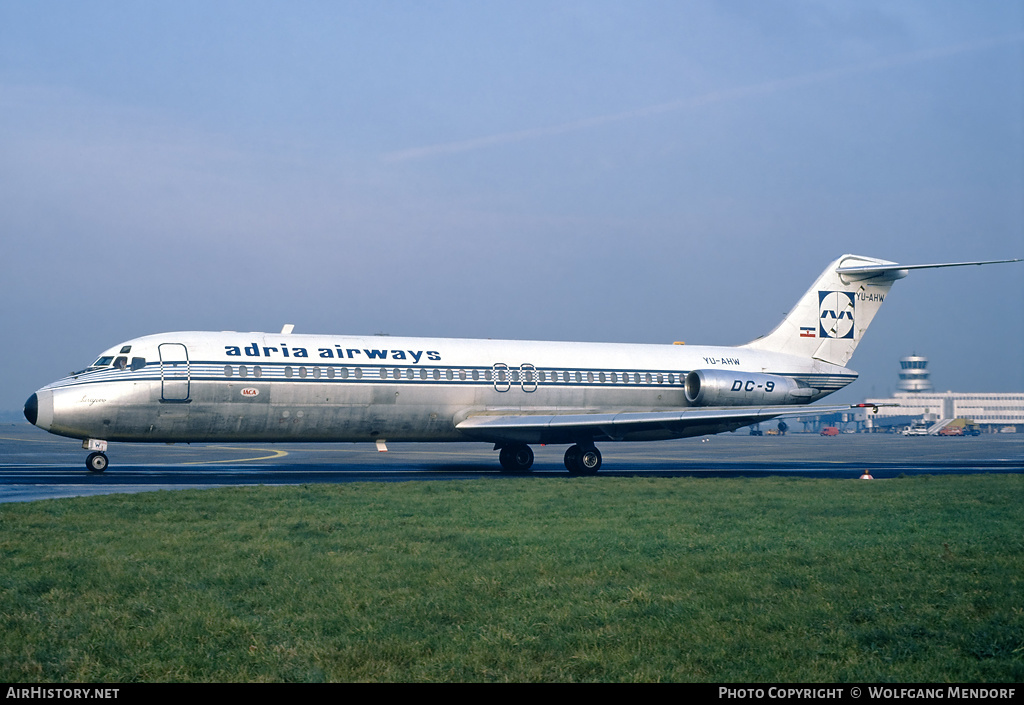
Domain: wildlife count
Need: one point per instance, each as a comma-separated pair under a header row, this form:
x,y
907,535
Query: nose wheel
x,y
96,462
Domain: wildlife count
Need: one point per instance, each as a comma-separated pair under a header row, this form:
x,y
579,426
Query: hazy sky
x,y
615,171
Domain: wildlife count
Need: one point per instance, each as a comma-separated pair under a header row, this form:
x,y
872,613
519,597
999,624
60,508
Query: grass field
x,y
522,579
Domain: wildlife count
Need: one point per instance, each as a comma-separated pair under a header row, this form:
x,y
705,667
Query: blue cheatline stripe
x,y
208,371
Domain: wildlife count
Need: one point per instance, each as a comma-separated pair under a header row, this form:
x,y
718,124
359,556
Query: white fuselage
x,y
202,386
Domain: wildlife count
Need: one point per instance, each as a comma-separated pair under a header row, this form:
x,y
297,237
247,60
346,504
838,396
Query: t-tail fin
x,y
830,319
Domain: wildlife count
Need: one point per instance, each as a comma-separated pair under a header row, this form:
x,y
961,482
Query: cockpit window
x,y
138,363
125,350
103,362
121,362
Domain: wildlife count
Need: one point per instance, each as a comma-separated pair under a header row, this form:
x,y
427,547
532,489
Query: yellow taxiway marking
x,y
273,454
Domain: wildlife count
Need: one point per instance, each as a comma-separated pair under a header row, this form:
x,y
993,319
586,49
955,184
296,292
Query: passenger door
x,y
175,377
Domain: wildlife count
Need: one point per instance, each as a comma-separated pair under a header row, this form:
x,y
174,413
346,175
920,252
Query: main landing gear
x,y
516,459
580,459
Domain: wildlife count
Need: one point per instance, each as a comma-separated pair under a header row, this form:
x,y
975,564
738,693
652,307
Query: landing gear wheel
x,y
583,460
590,461
516,459
96,462
572,459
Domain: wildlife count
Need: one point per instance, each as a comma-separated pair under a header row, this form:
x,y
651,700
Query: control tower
x,y
914,374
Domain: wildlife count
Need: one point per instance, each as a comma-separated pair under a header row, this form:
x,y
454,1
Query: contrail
x,y
689,103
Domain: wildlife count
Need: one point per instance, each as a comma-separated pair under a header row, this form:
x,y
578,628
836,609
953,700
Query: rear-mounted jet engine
x,y
728,388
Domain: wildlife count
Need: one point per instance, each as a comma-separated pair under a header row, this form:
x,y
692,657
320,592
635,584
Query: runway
x,y
35,465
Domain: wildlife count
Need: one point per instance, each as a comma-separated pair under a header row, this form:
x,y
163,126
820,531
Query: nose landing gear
x,y
97,461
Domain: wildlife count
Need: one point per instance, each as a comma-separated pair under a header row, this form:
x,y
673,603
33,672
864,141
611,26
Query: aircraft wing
x,y
627,425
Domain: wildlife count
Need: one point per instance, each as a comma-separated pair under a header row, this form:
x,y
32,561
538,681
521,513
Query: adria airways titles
x,y
237,387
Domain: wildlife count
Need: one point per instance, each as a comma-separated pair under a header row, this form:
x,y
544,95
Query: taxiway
x,y
35,465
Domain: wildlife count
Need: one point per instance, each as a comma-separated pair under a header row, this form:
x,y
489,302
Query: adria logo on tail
x,y
835,314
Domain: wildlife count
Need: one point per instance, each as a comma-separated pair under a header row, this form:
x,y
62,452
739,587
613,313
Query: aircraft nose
x,y
32,409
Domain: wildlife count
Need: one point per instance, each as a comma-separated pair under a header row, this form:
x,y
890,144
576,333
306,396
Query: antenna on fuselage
x,y
287,329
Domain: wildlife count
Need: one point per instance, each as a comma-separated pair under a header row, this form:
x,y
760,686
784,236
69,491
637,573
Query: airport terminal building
x,y
916,399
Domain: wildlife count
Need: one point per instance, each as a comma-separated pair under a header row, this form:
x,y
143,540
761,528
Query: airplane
x,y
265,387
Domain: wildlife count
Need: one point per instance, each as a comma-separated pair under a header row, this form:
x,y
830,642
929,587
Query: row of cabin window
x,y
528,376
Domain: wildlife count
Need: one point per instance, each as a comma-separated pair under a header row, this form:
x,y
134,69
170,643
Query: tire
x,y
590,461
571,459
516,459
580,460
96,462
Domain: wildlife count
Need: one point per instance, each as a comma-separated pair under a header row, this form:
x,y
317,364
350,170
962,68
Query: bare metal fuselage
x,y
198,386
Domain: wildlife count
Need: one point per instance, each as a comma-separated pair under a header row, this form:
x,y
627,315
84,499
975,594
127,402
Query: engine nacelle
x,y
726,388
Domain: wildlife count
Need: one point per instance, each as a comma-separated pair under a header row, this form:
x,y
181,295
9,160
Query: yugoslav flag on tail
x,y
831,318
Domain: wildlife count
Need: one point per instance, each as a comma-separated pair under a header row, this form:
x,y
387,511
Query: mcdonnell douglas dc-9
x,y
267,387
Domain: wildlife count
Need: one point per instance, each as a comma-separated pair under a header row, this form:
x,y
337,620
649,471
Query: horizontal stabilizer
x,y
863,272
